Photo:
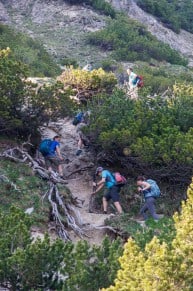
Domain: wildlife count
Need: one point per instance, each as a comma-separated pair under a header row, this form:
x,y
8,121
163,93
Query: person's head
x,y
129,71
57,138
99,171
140,180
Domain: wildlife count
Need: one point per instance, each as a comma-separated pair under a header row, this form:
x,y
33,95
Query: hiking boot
x,y
140,219
78,152
112,215
104,212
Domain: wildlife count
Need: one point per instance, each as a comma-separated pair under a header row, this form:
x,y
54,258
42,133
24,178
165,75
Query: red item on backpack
x,y
140,82
120,179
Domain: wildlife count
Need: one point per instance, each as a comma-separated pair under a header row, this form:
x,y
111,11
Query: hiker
x,y
83,141
54,157
113,190
145,187
132,84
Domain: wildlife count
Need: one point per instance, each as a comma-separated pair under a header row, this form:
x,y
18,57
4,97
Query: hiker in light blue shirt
x,y
113,189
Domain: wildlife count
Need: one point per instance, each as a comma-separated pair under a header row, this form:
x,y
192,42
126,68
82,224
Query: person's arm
x,y
99,185
58,152
146,186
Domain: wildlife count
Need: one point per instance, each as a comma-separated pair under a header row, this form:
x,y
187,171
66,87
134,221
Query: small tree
x,y
160,266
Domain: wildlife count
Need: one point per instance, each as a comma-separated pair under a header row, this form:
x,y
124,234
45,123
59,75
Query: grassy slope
x,y
29,51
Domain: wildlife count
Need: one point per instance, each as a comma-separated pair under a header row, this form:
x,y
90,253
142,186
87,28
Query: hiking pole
x,y
91,199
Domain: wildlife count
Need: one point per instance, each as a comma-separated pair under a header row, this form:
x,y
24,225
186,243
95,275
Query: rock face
x,y
62,28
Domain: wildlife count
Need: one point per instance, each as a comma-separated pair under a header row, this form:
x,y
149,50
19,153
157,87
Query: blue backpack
x,y
78,118
154,191
44,147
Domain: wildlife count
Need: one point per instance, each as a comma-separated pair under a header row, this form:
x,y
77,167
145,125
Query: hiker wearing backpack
x,y
108,180
53,156
132,77
150,191
83,140
135,81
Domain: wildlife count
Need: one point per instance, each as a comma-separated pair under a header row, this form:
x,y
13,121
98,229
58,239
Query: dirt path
x,y
80,183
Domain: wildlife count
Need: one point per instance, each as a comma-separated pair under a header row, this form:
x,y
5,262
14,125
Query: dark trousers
x,y
149,205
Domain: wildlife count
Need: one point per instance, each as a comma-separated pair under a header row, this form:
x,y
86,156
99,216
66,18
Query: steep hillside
x,y
59,26
182,42
62,28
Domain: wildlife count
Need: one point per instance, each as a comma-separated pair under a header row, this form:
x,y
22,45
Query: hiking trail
x,y
77,171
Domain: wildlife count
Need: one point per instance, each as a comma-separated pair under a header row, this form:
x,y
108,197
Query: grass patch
x,y
164,229
22,189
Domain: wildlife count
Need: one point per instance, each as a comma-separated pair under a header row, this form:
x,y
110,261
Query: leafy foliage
x,y
29,52
160,266
19,255
22,104
130,41
150,128
174,14
82,266
22,189
86,84
163,229
89,268
100,5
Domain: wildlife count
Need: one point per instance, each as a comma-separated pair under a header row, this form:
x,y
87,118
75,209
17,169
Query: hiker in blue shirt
x,y
54,157
149,205
113,190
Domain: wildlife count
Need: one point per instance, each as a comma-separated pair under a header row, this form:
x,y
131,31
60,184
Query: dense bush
x,y
160,266
29,52
174,14
130,41
100,5
154,130
22,104
27,265
86,84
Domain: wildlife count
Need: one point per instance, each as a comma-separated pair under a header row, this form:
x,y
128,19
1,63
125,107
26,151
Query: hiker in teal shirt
x,y
113,190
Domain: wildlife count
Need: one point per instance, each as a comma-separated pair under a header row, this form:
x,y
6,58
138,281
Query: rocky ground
x,y
79,183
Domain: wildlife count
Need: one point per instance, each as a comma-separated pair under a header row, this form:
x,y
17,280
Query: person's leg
x,y
105,204
48,164
114,193
60,170
118,207
106,198
57,162
151,207
143,210
80,143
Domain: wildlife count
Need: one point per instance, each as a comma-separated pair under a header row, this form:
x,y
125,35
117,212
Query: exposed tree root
x,y
65,215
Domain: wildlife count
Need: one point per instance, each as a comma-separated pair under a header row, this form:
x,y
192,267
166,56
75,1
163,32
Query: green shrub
x,y
29,52
174,14
149,128
130,41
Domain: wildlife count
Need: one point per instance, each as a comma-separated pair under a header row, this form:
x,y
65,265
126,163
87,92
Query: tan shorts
x,y
53,161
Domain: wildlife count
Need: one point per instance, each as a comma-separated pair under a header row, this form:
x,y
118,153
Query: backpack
x,y
120,180
44,147
78,118
155,190
138,81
